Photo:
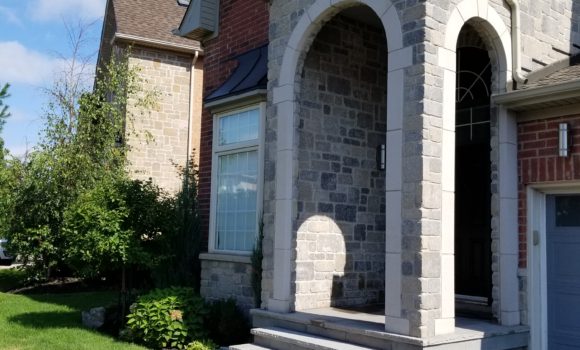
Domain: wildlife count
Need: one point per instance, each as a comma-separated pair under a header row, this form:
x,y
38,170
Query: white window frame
x,y
237,147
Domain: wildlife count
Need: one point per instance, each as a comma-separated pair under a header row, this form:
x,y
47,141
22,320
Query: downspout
x,y
516,42
191,107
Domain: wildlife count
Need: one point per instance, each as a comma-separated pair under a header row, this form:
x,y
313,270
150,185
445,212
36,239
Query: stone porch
x,y
357,329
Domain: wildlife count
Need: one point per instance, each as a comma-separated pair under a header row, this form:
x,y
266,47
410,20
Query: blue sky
x,y
34,48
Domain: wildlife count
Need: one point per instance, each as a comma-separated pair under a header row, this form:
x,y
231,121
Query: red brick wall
x,y
243,26
538,162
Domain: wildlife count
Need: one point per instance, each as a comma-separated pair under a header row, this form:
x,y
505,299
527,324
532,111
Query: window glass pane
x,y
463,116
568,211
237,201
239,127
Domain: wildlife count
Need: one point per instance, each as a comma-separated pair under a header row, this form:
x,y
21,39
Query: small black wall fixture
x,y
563,140
381,157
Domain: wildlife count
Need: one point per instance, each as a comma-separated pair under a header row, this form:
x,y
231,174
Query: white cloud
x,y
19,64
9,15
50,10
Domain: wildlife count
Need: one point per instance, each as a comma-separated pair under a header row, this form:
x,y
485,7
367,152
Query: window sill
x,y
244,259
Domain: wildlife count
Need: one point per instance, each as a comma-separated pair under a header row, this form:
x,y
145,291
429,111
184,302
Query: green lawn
x,y
52,321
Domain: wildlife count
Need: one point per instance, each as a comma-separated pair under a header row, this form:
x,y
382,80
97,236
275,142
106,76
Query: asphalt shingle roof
x,y
562,72
152,19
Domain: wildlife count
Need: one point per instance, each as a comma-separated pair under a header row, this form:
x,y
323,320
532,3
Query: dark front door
x,y
563,269
473,183
473,212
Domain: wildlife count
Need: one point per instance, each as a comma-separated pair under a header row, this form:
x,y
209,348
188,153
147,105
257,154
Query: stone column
x,y
395,320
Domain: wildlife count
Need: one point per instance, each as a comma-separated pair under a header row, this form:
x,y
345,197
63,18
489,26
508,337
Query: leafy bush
x,y
11,279
202,345
227,324
115,224
170,317
79,147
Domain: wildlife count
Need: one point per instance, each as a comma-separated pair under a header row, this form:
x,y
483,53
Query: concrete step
x,y
365,334
284,339
468,335
248,347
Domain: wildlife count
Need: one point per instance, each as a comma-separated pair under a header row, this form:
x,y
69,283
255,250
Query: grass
x,y
51,321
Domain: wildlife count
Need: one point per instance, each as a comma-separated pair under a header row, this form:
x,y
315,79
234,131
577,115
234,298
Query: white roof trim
x,y
228,102
155,43
530,98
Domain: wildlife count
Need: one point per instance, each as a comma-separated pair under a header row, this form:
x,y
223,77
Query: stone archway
x,y
284,102
340,240
505,286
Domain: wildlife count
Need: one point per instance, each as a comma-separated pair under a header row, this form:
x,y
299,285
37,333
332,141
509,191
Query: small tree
x,y
79,148
10,169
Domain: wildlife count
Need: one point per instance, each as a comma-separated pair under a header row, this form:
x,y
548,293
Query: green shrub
x,y
180,265
116,224
167,318
227,324
202,345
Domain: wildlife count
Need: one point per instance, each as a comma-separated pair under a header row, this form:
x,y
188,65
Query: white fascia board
x,y
236,101
527,99
162,44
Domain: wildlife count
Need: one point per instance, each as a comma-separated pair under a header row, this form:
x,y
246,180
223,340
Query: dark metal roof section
x,y
251,74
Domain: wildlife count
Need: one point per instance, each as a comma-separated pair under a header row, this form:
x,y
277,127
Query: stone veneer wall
x,y
284,17
223,279
424,26
341,201
549,30
169,74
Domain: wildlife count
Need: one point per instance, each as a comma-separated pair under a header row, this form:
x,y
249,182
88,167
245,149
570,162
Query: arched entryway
x,y
340,238
473,272
493,31
495,35
286,105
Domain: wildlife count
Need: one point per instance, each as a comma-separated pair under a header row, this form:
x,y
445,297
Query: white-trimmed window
x,y
236,179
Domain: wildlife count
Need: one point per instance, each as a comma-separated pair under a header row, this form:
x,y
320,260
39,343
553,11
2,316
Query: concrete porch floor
x,y
365,326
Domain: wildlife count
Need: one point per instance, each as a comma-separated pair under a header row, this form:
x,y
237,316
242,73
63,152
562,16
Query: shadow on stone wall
x,y
341,198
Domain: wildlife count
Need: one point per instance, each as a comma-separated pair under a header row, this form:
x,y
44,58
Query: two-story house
x,y
415,166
